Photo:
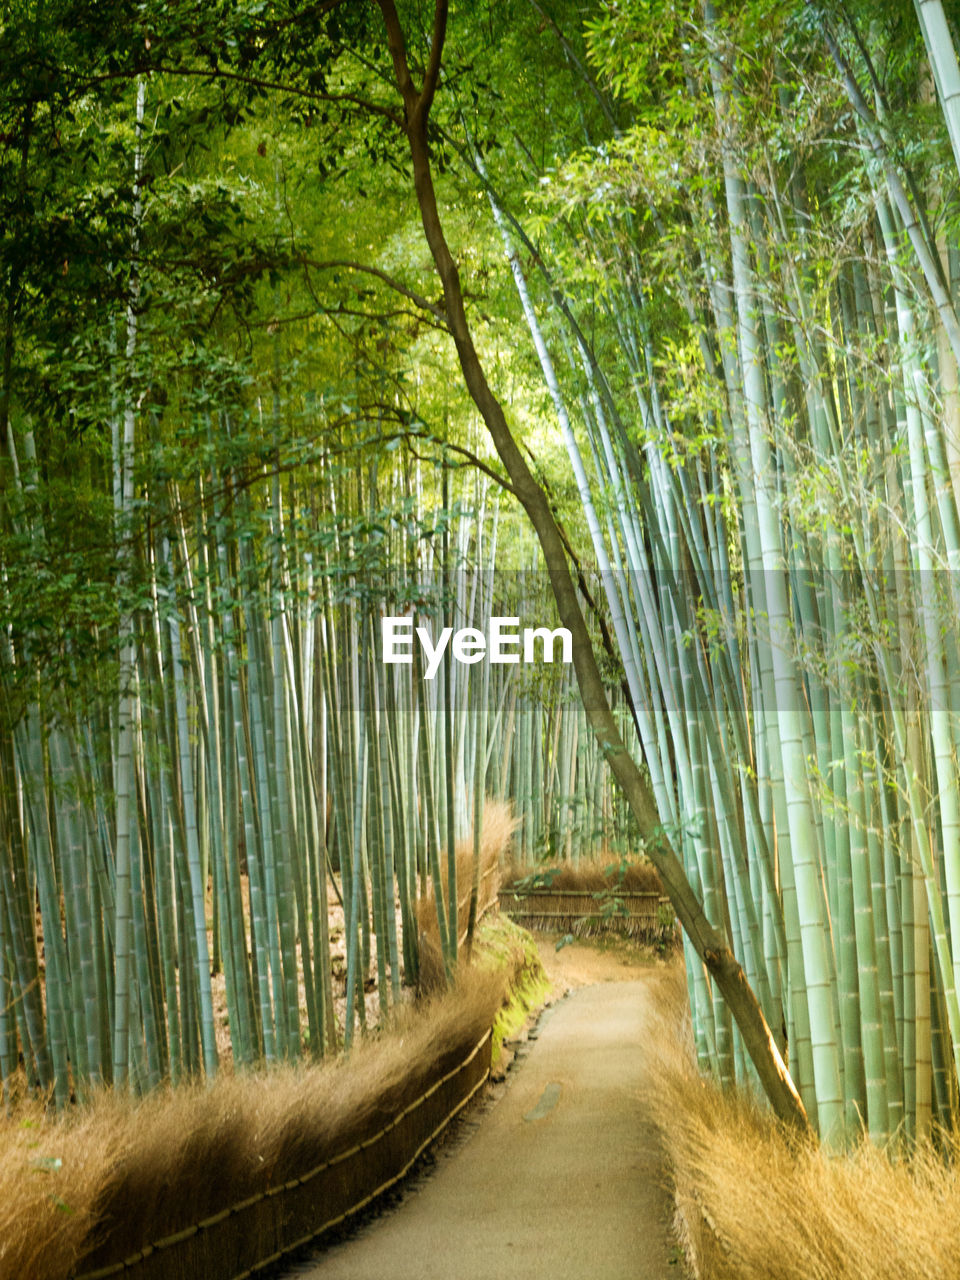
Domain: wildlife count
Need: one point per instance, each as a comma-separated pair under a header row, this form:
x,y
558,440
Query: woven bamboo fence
x,y
255,1233
644,916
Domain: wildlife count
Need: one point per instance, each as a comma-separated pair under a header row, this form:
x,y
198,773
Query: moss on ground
x,y
506,945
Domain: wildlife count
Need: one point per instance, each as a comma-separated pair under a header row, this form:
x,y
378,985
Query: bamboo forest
x,y
448,449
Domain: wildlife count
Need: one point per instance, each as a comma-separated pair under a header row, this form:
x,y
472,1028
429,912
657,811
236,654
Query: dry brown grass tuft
x,y
759,1205
498,828
48,1181
597,875
99,1185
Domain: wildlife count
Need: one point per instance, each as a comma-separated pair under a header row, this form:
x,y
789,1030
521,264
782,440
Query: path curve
x,y
563,1178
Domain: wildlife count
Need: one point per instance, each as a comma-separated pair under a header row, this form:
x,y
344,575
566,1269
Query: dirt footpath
x,y
561,1177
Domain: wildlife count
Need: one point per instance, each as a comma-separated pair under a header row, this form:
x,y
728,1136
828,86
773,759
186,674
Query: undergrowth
x,y
756,1203
495,836
513,947
106,1179
597,875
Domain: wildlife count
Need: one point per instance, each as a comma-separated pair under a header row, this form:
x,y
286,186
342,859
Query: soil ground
x,y
561,1175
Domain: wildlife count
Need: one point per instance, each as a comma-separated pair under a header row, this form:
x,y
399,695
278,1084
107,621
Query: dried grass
x,y
48,1182
98,1185
598,875
498,828
759,1205
590,898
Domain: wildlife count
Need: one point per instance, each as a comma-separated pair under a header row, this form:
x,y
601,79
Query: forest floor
x,y
561,1173
498,826
338,966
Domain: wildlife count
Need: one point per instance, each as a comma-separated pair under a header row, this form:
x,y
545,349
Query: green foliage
x,y
756,380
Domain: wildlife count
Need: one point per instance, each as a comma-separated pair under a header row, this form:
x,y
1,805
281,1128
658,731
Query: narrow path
x,y
561,1179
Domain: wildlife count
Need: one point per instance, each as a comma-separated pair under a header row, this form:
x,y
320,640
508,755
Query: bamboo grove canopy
x,y
699,266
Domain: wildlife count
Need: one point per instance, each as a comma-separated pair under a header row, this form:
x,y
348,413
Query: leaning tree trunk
x,y
708,943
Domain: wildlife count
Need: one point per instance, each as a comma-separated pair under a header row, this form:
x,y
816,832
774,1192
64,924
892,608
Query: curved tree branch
x,y
343,264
